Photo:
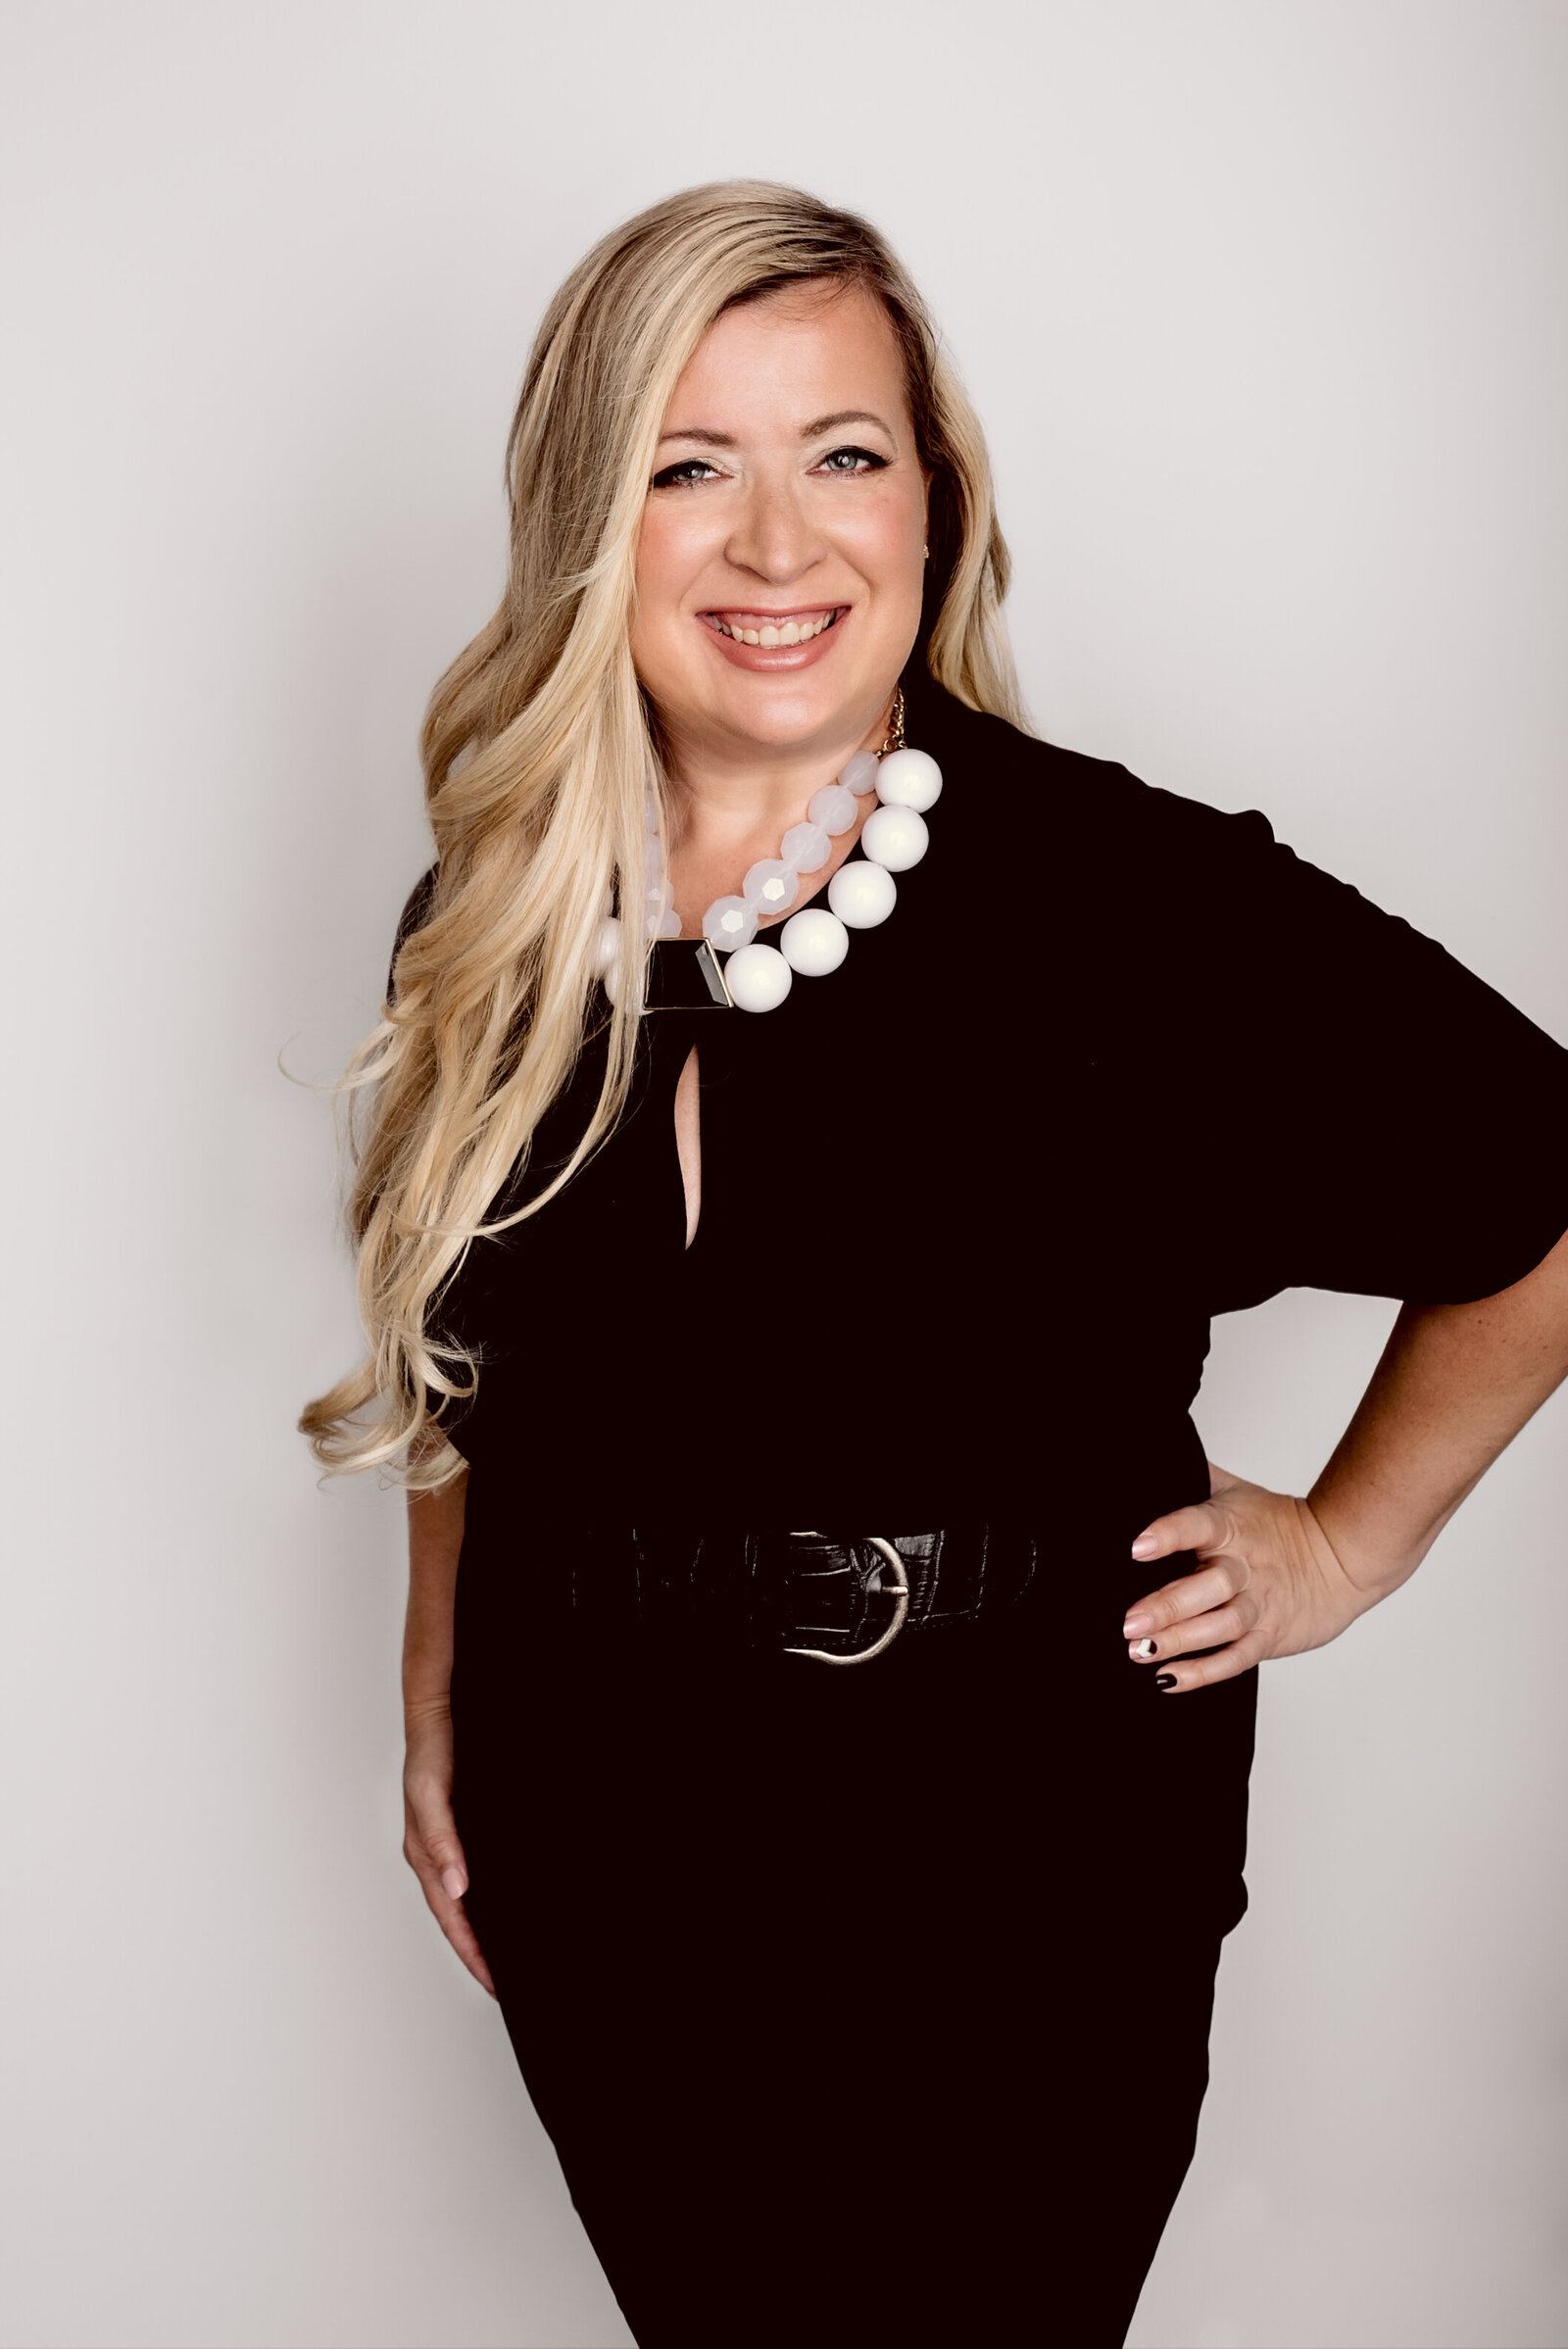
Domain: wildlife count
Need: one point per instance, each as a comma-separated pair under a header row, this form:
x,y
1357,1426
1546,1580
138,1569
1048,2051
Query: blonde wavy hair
x,y
538,748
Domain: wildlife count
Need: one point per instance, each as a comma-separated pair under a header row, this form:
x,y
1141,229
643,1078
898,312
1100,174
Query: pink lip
x,y
774,656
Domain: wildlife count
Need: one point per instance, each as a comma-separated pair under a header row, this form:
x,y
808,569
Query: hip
x,y
679,1738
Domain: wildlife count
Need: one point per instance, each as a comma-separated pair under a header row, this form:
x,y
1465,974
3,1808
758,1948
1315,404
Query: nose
x,y
774,537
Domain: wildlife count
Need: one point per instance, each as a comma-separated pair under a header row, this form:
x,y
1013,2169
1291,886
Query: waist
x,y
828,1595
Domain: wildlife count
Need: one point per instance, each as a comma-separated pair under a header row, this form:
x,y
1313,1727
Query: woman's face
x,y
787,508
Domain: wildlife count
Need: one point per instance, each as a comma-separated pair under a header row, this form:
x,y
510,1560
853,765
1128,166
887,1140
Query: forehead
x,y
800,353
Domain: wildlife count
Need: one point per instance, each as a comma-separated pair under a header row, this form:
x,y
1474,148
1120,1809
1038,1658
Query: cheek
x,y
886,541
675,544
658,571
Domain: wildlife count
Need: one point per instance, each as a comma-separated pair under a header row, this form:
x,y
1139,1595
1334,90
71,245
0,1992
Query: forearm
x,y
435,1542
1456,1385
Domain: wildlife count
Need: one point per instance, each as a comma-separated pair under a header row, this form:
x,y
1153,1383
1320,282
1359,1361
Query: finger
x,y
450,1914
439,1857
1189,1594
434,1851
446,1853
1202,1671
1213,1630
1202,1528
464,1939
432,1820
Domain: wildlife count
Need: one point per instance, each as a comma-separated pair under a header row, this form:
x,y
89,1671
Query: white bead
x,y
833,808
669,927
730,922
895,837
862,895
859,775
813,941
770,885
758,978
908,780
607,945
805,846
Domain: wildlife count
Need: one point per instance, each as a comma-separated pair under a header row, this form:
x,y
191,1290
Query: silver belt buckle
x,y
899,1591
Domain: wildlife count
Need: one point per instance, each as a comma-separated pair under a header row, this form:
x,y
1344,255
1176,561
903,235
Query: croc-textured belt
x,y
831,1598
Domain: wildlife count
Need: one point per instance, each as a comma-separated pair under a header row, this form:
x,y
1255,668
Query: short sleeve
x,y
1391,1125
412,918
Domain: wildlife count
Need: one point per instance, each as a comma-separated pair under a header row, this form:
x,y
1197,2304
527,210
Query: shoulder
x,y
1015,795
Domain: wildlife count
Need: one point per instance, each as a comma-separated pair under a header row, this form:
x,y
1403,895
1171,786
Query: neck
x,y
731,793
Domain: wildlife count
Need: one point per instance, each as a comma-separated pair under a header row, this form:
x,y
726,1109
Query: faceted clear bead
x,y
895,837
863,895
833,808
669,927
758,978
657,897
806,847
908,780
729,923
859,775
770,885
813,941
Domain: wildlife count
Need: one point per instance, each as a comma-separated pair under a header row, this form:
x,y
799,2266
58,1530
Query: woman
x,y
735,1167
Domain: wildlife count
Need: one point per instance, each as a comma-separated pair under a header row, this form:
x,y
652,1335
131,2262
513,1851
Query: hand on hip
x,y
1266,1584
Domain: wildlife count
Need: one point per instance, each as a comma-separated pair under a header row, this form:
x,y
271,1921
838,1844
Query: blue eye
x,y
682,476
852,461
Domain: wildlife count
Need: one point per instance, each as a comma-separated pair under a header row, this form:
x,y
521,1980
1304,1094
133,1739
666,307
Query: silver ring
x,y
900,1609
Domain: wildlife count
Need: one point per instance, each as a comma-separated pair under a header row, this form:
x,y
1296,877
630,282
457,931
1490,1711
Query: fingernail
x,y
1145,1545
454,1882
1136,1624
1164,1680
1144,1647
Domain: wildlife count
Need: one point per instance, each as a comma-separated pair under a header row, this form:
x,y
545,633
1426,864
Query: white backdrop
x,y
1264,305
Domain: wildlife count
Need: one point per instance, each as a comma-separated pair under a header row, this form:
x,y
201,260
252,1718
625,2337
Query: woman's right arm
x,y
430,1841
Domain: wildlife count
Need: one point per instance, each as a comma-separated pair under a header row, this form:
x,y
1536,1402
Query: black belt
x,y
835,1598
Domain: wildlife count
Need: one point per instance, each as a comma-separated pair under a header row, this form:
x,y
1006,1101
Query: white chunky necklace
x,y
756,977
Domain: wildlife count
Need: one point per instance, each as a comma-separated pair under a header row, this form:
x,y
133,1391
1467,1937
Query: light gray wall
x,y
1263,306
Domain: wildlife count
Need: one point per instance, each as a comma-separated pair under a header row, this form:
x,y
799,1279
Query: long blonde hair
x,y
538,751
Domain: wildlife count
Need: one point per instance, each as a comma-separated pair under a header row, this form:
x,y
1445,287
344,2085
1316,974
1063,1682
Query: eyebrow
x,y
810,431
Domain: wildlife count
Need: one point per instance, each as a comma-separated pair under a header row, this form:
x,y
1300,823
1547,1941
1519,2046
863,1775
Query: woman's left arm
x,y
1276,1574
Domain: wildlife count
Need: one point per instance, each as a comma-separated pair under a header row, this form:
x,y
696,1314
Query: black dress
x,y
871,2005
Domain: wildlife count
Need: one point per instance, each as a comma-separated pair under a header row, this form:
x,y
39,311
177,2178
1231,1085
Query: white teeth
x,y
790,632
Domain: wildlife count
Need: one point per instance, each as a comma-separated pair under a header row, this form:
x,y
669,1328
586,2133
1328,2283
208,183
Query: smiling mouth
x,y
769,629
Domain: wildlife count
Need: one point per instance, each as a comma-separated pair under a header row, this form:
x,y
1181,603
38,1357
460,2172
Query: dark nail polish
x,y
1164,1680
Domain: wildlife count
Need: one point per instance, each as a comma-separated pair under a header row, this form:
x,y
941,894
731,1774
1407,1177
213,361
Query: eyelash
x,y
683,475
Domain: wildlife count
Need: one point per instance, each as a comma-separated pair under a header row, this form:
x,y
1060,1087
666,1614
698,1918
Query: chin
x,y
783,705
